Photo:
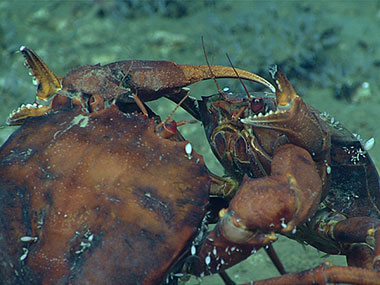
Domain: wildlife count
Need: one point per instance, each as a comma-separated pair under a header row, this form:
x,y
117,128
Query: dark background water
x,y
328,49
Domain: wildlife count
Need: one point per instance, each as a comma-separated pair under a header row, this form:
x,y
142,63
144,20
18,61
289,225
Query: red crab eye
x,y
166,129
257,105
171,127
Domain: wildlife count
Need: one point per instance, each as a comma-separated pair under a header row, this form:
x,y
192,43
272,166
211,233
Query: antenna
x,y
209,67
237,74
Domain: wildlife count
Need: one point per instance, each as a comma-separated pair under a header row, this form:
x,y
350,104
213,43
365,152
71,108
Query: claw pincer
x,y
47,82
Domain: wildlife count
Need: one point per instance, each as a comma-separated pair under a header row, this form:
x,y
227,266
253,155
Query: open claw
x,y
48,82
293,117
47,85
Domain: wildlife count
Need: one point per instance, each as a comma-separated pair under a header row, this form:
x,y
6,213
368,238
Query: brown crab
x,y
246,132
87,203
80,195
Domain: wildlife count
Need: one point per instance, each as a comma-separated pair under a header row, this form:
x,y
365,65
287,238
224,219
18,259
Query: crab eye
x,y
257,105
171,127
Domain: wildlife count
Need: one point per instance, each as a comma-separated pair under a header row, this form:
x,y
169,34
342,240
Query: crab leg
x,y
326,274
124,80
148,79
359,237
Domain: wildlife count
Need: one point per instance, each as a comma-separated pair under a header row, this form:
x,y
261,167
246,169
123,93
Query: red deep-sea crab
x,y
94,192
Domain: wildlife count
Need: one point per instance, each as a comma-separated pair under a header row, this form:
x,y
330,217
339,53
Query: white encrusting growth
x,y
25,254
193,250
283,224
208,260
188,150
368,145
28,239
86,244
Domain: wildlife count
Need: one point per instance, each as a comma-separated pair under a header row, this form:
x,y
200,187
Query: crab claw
x,y
275,203
293,118
47,85
285,93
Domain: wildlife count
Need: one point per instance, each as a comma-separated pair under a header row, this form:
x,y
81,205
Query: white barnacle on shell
x,y
35,81
188,150
25,254
283,224
28,239
214,251
368,145
193,250
208,260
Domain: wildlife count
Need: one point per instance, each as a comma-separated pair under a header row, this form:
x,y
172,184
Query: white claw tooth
x,y
270,112
28,106
35,105
259,115
22,48
34,81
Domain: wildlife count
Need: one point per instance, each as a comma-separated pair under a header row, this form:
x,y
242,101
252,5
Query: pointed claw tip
x,y
285,92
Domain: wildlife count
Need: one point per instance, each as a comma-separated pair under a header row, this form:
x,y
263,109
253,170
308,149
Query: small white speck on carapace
x,y
188,150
